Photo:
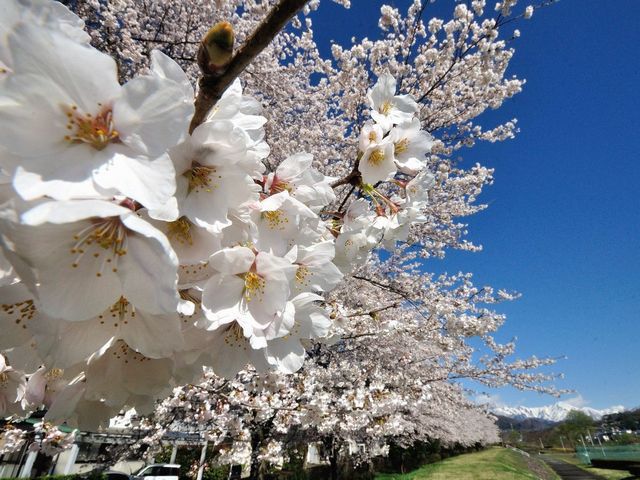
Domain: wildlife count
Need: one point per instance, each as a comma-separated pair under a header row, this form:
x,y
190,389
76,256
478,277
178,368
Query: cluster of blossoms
x,y
50,440
13,439
391,154
44,437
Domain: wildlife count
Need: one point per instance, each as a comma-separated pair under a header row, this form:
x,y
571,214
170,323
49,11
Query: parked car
x,y
101,474
158,471
113,475
235,472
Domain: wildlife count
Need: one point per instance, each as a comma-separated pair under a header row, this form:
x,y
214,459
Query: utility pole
x,y
601,447
174,453
586,452
203,456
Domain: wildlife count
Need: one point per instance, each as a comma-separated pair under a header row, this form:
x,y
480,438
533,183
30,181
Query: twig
x,y
374,311
344,201
212,87
353,178
398,291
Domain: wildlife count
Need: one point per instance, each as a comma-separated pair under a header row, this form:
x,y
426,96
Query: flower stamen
x,y
275,219
107,233
301,275
386,107
21,311
376,157
96,131
181,231
401,146
201,178
121,309
235,336
253,284
278,186
54,374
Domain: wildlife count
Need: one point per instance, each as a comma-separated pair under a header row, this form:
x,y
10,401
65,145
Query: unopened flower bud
x,y
216,48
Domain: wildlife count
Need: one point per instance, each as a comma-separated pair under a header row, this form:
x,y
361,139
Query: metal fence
x,y
618,452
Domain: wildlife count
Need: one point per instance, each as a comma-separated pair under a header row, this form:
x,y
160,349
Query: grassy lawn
x,y
608,474
492,464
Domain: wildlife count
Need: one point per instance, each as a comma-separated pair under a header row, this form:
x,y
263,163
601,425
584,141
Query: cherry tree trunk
x,y
333,459
256,439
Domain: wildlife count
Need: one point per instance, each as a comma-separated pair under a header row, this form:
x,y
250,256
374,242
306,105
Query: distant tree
x,y
513,437
626,439
575,424
579,420
628,420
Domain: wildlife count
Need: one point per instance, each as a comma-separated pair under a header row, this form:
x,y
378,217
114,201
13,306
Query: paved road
x,y
568,471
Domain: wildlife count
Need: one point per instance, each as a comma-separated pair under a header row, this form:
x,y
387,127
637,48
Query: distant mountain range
x,y
552,413
523,425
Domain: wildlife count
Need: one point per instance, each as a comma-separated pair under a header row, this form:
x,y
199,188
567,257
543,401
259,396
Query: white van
x,y
158,471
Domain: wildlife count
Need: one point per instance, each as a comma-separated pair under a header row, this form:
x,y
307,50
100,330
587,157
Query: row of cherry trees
x,y
281,215
385,376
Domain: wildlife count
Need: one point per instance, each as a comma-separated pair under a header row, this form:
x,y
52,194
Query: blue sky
x,y
564,216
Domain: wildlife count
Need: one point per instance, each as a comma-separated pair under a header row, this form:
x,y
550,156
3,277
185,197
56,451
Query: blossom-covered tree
x,y
149,229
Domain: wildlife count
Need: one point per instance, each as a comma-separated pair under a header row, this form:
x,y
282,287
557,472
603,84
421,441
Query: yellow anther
x,y
401,146
96,131
301,275
253,283
278,186
54,373
120,309
386,107
200,178
376,157
108,233
180,230
234,335
276,219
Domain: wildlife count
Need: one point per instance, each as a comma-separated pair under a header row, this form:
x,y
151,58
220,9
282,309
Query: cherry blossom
x,y
12,387
387,108
106,252
102,137
250,288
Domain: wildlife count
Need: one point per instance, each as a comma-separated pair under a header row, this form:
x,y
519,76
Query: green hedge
x,y
85,476
189,455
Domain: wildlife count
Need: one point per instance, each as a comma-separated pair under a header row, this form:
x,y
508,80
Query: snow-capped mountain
x,y
554,413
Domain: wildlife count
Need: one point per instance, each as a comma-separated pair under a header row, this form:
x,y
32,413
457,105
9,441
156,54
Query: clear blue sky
x,y
564,219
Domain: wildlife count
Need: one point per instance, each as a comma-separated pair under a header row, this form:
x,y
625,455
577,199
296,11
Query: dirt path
x,y
566,471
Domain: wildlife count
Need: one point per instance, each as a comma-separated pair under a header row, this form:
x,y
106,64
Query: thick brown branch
x,y
212,87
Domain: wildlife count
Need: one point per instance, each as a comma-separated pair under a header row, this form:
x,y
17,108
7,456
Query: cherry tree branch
x,y
353,178
373,312
395,290
213,86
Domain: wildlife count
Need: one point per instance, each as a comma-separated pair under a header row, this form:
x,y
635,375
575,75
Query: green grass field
x,y
492,464
608,474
